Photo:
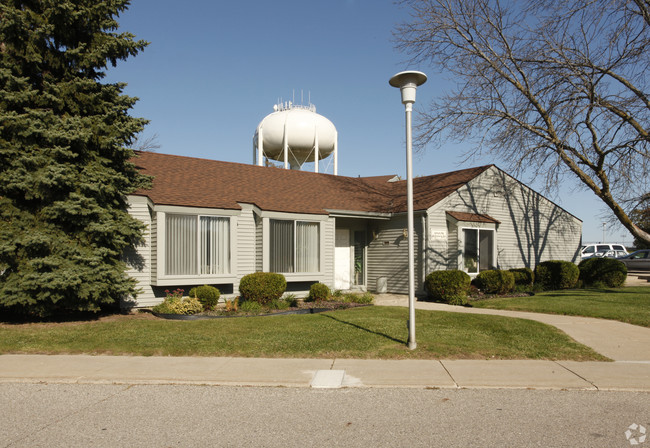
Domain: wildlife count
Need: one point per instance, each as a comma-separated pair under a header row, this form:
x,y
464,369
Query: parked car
x,y
637,261
602,250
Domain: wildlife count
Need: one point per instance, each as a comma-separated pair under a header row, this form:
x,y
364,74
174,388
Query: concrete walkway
x,y
628,345
616,340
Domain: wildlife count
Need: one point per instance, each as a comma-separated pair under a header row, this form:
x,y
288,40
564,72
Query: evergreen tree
x,y
64,159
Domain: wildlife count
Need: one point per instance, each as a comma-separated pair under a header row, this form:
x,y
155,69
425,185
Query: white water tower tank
x,y
295,135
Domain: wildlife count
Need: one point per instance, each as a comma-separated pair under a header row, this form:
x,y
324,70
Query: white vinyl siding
x,y
531,228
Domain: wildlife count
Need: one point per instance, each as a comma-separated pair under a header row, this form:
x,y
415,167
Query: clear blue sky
x,y
214,70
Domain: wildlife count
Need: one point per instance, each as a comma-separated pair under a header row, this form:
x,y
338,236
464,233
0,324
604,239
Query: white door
x,y
342,264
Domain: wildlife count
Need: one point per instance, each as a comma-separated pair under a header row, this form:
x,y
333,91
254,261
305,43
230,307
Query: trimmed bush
x,y
262,287
207,295
448,286
523,276
318,292
556,274
602,271
495,281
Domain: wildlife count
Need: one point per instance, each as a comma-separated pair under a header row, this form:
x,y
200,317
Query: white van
x,y
603,250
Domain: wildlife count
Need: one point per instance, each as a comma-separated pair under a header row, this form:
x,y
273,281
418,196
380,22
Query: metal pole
x,y
408,82
412,344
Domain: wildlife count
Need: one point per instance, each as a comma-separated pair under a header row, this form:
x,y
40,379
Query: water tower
x,y
295,135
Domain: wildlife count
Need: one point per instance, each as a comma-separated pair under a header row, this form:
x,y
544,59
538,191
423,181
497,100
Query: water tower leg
x,y
260,147
316,152
285,147
336,153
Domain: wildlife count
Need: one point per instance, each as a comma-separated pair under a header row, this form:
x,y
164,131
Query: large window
x,y
478,253
197,245
294,246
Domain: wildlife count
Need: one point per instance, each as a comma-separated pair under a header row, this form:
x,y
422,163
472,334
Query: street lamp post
x,y
408,82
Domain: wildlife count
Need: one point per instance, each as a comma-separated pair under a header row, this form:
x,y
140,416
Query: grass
x,y
369,332
631,304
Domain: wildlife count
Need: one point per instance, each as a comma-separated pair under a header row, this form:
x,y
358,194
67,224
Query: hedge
x,y
448,286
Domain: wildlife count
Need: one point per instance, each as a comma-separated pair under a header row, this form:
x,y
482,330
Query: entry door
x,y
342,256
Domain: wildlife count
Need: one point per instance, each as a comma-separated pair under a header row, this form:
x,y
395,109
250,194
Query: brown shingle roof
x,y
193,182
472,217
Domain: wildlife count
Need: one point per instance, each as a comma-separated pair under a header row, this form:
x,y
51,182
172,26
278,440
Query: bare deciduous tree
x,y
145,143
552,87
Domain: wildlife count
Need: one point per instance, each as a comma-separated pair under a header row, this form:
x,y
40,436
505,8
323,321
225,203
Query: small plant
x,y
232,305
318,292
556,274
250,307
448,286
207,295
495,281
523,276
278,304
262,287
291,300
602,271
365,298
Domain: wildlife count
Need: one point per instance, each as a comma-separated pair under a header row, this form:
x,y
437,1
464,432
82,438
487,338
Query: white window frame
x,y
461,246
325,230
295,245
163,279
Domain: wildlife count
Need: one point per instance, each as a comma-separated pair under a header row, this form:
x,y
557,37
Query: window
x,y
478,253
197,245
294,246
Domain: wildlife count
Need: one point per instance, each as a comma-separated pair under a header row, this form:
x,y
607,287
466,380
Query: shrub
x,y
318,292
523,276
448,286
606,271
556,274
207,295
262,287
495,281
176,305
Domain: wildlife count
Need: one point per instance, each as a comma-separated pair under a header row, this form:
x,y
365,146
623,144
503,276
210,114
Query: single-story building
x,y
212,222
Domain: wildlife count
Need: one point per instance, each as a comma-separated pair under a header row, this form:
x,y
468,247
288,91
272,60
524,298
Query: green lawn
x,y
631,305
369,332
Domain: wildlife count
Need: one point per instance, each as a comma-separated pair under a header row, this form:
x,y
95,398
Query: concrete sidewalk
x,y
325,373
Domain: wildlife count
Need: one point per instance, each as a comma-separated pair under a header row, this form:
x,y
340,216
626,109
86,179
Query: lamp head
x,y
408,82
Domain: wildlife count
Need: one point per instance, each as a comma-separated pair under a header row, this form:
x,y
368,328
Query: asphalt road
x,y
74,415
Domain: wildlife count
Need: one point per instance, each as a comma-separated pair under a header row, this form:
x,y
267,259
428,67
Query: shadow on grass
x,y
367,330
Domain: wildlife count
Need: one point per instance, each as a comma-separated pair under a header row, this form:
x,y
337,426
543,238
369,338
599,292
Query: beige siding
x,y
259,238
139,261
532,229
328,229
245,244
388,254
